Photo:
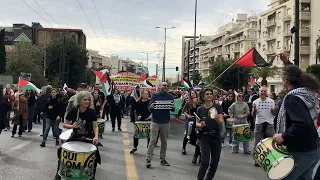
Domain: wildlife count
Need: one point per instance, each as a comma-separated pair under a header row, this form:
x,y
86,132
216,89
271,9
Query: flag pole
x,y
222,73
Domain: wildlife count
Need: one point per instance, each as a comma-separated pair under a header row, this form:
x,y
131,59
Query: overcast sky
x,y
129,24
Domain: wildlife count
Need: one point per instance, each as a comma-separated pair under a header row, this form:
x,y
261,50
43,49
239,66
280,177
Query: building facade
x,y
274,34
43,36
95,60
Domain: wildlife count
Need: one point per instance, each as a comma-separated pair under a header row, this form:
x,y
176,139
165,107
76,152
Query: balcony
x,y
227,52
305,1
271,38
306,15
304,49
218,53
305,32
271,23
287,34
271,51
235,50
287,18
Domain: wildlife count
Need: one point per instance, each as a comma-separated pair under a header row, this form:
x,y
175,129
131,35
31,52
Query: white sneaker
x,y
222,145
185,132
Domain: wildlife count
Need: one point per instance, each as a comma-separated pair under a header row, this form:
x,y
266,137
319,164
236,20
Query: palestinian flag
x,y
144,80
105,81
185,83
235,93
203,82
26,85
252,58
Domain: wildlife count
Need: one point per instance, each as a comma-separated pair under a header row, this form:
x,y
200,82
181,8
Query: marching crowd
x,y
289,118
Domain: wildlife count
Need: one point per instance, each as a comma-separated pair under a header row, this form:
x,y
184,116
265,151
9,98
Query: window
x,y
279,29
279,15
278,44
288,11
252,44
272,88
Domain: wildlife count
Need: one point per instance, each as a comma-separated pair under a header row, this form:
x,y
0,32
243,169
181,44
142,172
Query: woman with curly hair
x,y
82,118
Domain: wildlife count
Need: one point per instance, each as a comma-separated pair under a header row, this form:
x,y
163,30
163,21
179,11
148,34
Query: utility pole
x,y
188,59
157,69
297,34
164,56
164,51
317,49
195,41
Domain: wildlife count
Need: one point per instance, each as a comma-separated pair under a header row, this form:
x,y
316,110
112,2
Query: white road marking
x,y
20,146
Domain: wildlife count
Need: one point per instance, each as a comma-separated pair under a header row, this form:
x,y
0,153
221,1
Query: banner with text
x,y
128,81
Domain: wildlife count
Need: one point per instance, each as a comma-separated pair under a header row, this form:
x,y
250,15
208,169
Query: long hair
x,y
295,77
141,92
76,102
190,99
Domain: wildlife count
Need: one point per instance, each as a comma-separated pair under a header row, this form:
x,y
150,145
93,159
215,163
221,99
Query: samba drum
x,y
77,161
229,123
142,129
275,160
190,124
65,135
242,133
163,104
101,126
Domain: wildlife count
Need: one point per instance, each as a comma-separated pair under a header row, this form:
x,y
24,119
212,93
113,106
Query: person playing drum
x,y
296,123
239,110
82,119
143,113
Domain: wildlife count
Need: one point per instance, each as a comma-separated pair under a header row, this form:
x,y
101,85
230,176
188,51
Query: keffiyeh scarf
x,y
309,98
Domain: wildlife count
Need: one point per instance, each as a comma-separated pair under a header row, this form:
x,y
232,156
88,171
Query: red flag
x,y
252,58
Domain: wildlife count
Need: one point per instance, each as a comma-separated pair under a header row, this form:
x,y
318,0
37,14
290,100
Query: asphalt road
x,y
23,158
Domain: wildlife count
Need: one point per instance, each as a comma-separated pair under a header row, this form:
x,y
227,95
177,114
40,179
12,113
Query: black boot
x,y
194,159
200,159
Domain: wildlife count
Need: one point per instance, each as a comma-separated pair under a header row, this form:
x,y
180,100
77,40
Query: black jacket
x,y
57,109
301,134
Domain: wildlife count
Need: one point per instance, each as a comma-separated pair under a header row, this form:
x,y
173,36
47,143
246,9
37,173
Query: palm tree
x,y
264,73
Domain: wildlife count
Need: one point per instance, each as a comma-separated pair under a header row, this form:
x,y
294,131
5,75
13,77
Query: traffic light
x,y
177,68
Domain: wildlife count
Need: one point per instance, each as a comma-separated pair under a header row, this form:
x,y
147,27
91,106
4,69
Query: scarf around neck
x,y
308,97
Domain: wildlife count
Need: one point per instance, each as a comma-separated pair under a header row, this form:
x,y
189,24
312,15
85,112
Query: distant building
x,y
95,59
43,36
20,33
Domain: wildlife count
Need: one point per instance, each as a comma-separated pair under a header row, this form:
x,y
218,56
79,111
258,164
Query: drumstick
x,y
195,114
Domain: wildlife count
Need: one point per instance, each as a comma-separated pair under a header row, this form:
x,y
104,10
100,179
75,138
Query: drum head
x,y
65,135
79,147
281,168
100,120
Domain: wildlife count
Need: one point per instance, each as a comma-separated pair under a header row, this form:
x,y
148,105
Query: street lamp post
x,y
147,60
164,51
194,41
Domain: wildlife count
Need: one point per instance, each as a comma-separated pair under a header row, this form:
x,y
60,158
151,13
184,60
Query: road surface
x,y
23,158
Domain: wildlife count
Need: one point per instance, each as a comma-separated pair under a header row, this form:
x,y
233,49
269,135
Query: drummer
x,y
143,113
82,119
239,110
296,123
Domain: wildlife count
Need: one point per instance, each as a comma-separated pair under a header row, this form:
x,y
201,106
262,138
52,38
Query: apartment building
x,y
95,59
187,57
274,33
230,42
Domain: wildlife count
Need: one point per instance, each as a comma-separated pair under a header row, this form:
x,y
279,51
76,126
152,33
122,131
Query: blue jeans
x,y
235,144
30,116
50,123
44,118
305,163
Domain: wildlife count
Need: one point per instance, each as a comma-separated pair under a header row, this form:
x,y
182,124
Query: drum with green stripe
x,y
275,160
242,133
77,161
142,129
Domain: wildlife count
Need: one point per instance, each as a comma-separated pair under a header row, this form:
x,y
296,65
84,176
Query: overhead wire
x,y
37,13
46,13
90,26
102,26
